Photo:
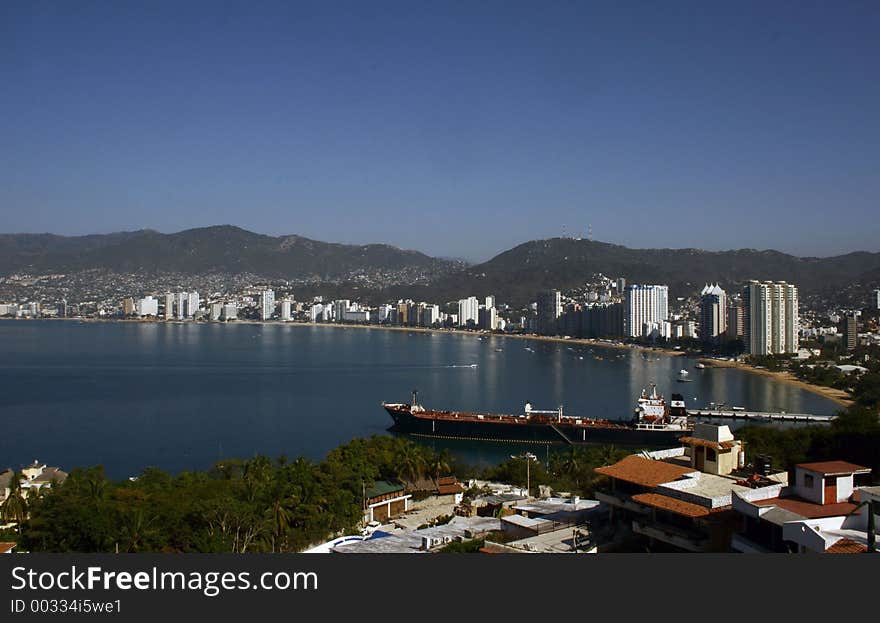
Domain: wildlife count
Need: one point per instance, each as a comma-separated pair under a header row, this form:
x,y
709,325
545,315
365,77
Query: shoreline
x,y
334,325
835,395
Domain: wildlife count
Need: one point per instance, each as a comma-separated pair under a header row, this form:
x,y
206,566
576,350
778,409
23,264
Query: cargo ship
x,y
653,424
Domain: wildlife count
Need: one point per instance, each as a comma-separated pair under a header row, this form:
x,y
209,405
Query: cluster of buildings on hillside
x,y
764,315
698,497
702,498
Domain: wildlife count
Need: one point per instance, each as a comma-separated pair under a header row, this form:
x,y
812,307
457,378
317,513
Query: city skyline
x,y
446,129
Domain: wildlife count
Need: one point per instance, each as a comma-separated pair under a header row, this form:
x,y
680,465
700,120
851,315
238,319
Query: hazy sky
x,y
457,128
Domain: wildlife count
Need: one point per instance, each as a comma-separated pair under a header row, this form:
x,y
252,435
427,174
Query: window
x,y
710,454
808,481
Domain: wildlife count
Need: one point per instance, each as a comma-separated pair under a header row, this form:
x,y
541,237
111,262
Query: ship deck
x,y
523,420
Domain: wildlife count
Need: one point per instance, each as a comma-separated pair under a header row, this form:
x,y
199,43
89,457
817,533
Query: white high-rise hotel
x,y
267,304
646,309
771,319
469,312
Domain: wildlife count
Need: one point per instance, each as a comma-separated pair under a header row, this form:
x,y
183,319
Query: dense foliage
x,y
258,505
571,470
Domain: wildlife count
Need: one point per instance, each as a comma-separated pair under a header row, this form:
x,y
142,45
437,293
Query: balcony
x,y
681,538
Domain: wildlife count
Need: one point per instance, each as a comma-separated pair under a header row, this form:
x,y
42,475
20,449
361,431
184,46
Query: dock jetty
x,y
738,414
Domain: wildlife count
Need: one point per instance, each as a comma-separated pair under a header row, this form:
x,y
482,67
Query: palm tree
x,y
608,455
410,463
14,508
439,464
135,524
572,463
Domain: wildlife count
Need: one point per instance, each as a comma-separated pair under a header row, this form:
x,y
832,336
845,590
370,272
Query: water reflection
x,y
185,395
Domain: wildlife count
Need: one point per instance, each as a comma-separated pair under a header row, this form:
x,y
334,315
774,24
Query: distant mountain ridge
x,y
222,248
515,275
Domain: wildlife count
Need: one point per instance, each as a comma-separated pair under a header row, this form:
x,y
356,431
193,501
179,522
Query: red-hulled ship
x,y
654,424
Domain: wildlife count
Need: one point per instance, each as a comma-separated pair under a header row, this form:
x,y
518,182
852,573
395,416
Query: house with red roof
x,y
824,509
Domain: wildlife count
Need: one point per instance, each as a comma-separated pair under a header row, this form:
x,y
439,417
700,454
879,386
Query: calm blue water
x,y
182,396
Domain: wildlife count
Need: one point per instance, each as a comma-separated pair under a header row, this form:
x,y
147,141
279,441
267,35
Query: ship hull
x,y
529,432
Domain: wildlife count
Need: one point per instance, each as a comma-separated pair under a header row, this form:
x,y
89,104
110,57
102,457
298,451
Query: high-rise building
x,y
877,298
169,306
602,320
340,306
267,304
62,308
713,313
181,305
549,308
431,315
128,306
490,301
468,312
647,306
216,311
735,316
230,312
285,310
771,320
851,331
488,318
403,312
192,304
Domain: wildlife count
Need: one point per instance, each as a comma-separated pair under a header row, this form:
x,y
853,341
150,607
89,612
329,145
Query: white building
x,y
647,306
192,304
384,311
169,306
147,306
877,298
468,312
285,310
490,301
267,304
181,305
216,311
230,312
356,315
771,319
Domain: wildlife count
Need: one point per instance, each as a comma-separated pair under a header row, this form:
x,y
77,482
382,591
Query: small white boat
x,y
700,365
683,372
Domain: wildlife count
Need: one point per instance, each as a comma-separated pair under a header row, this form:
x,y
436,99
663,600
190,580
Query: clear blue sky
x,y
457,128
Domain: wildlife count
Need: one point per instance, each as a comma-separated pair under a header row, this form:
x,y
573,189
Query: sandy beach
x,y
335,325
837,395
538,338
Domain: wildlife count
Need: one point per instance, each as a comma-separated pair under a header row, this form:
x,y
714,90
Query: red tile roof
x,y
646,472
847,546
831,468
808,510
6,547
449,489
673,505
447,480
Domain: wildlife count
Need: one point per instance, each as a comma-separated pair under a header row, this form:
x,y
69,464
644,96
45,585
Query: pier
x,y
759,415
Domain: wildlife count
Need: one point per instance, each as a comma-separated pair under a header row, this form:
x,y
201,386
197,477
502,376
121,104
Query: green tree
x,y
15,507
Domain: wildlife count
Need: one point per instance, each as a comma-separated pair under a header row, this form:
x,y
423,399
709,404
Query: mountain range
x,y
221,248
514,275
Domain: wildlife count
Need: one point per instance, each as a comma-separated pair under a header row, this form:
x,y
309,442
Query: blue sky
x,y
457,128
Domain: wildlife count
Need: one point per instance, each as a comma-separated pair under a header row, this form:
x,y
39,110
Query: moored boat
x,y
654,424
